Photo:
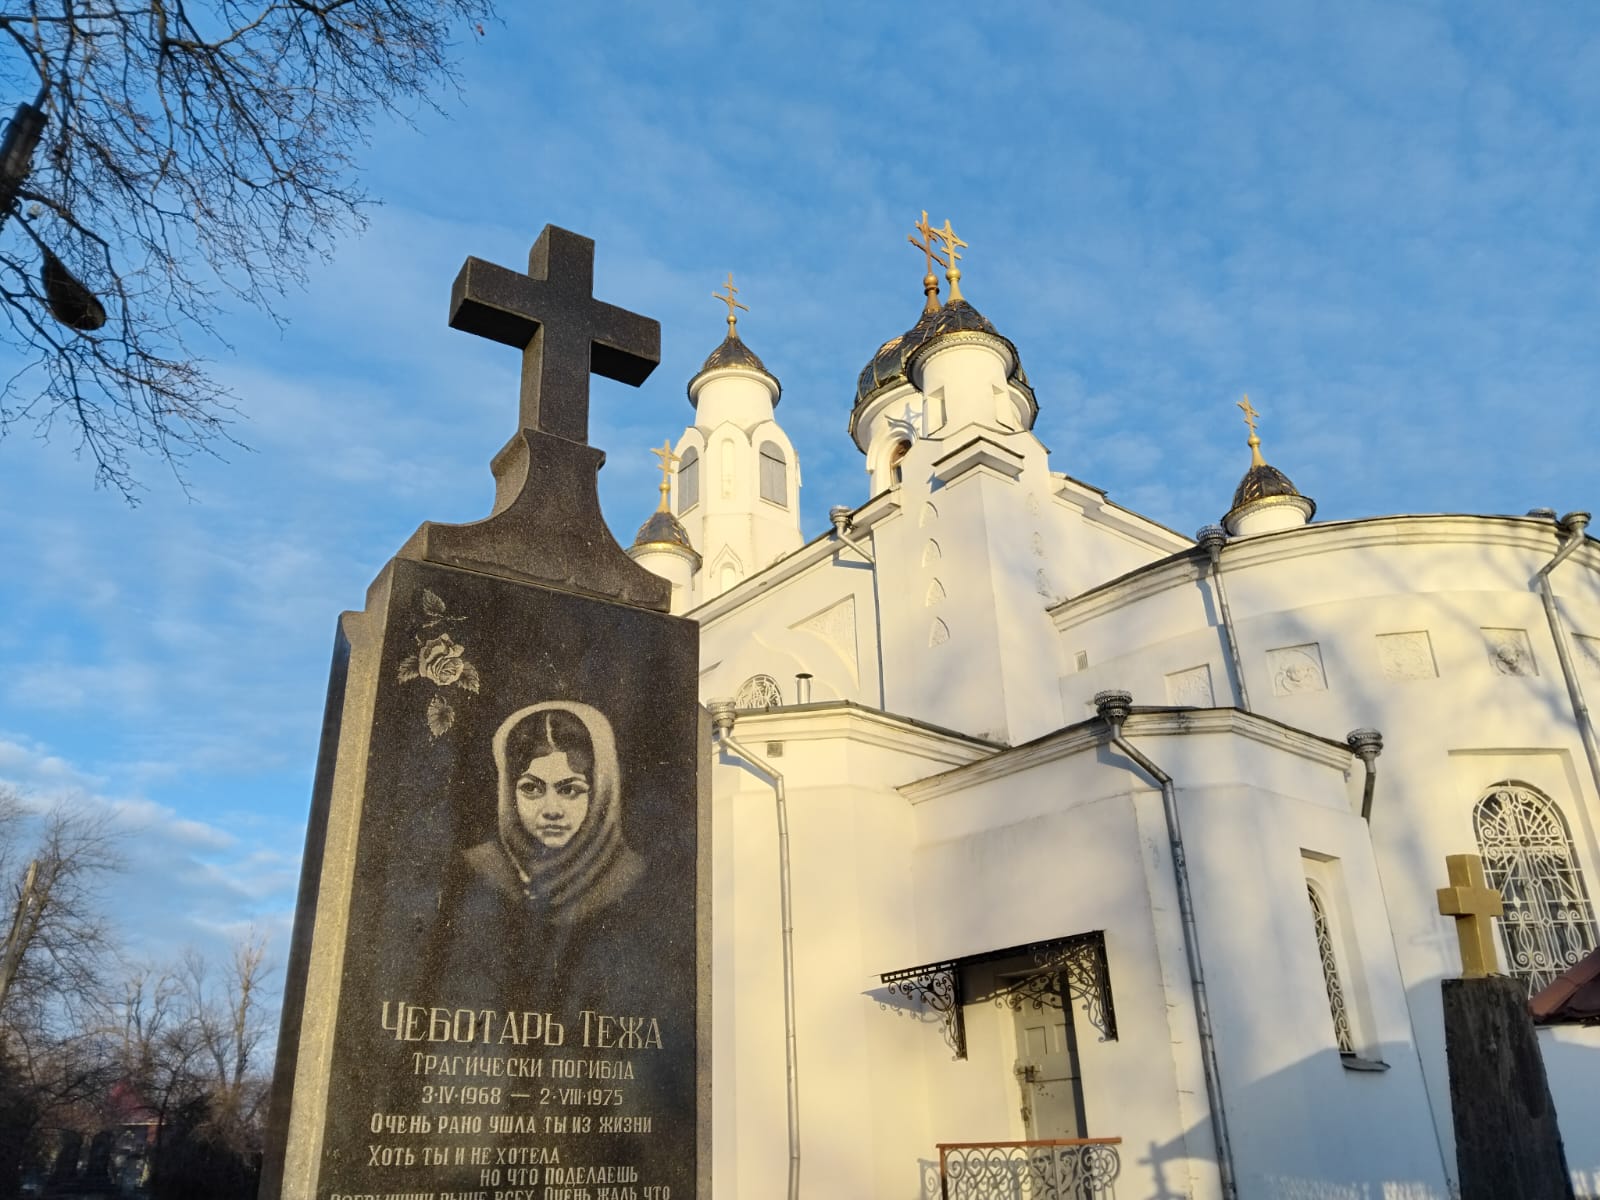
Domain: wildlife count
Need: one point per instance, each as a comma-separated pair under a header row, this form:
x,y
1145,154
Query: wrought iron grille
x,y
1072,1169
1074,964
757,692
1330,973
1528,855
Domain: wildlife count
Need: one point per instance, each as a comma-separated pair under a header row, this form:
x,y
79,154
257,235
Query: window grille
x,y
1330,973
1528,855
689,480
759,691
774,474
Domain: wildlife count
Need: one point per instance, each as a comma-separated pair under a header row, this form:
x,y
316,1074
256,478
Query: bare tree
x,y
230,1022
56,947
56,955
191,151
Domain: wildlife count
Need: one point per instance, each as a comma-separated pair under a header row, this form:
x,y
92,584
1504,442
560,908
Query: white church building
x,y
1092,830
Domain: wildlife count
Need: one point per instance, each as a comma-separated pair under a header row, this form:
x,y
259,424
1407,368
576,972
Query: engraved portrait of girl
x,y
560,849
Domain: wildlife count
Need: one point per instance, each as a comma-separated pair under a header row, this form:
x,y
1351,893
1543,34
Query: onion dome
x,y
663,531
1264,487
892,363
732,353
1262,481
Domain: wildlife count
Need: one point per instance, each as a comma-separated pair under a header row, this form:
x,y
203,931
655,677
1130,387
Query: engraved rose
x,y
440,660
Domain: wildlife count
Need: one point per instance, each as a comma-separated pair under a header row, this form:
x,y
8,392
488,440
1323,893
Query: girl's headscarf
x,y
565,879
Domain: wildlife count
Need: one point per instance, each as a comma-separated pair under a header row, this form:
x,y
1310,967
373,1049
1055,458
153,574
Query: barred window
x,y
689,480
1528,855
1330,972
774,473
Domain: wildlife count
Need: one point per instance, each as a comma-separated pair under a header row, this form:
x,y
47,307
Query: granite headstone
x,y
497,987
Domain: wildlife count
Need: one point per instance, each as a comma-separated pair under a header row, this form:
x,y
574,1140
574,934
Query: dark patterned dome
x,y
663,529
892,363
734,353
1262,481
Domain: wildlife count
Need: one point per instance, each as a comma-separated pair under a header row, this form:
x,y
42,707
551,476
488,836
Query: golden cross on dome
x,y
930,281
667,457
728,299
948,237
1250,415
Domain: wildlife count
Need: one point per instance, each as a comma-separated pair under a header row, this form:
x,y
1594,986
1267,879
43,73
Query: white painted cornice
x,y
978,451
843,720
1536,536
1093,503
1167,722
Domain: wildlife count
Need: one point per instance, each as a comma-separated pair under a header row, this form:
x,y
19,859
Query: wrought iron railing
x,y
1071,1169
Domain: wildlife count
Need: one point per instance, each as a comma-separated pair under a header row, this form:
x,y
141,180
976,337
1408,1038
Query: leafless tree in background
x,y
56,956
191,153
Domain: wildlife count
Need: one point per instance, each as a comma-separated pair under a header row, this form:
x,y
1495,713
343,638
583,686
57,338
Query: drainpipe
x,y
1571,526
1212,538
839,514
1114,707
1366,744
722,718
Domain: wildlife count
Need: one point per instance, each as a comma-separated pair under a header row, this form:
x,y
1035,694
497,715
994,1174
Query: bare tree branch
x,y
194,154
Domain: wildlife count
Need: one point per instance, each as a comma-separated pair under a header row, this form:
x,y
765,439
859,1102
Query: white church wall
x,y
1011,838
1009,875
1396,640
853,917
1301,1122
816,616
1099,540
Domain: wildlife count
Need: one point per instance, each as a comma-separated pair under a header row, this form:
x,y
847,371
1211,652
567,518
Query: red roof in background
x,y
1574,996
125,1106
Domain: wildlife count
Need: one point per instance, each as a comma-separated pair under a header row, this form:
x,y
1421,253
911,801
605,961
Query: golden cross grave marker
x,y
1472,902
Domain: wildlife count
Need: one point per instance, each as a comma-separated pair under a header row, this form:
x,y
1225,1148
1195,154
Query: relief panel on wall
x,y
1407,655
835,626
1588,654
1510,652
1297,669
1191,687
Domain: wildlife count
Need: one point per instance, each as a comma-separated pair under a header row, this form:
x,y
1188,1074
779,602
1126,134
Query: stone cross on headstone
x,y
564,333
1472,902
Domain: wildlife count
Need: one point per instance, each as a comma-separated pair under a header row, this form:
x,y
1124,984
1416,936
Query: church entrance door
x,y
1047,1059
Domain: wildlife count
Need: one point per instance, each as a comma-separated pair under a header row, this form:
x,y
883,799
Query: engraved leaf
x,y
408,668
432,604
469,678
440,715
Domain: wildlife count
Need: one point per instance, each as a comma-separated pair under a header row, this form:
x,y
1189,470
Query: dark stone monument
x,y
1508,1143
498,983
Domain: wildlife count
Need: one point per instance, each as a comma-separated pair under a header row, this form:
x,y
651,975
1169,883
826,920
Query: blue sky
x,y
1380,220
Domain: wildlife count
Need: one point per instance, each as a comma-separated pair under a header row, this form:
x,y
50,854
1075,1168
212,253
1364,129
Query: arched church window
x,y
759,691
896,453
689,480
1528,855
774,473
1330,972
